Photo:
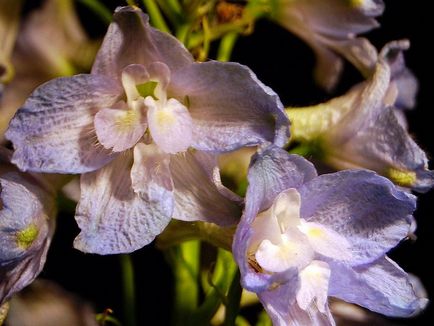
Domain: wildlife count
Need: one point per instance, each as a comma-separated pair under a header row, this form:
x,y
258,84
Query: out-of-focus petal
x,y
26,228
130,39
381,287
199,194
45,303
361,206
53,131
113,218
330,27
230,107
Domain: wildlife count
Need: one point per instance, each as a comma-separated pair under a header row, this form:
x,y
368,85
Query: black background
x,y
284,63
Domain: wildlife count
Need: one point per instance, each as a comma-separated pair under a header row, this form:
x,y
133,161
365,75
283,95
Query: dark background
x,y
284,63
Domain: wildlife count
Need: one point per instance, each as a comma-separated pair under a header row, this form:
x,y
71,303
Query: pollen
x,y
165,118
128,120
402,178
26,236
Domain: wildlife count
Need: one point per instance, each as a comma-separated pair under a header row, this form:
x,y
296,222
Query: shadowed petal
x,y
381,287
130,39
230,107
361,206
283,310
115,219
53,131
199,194
26,228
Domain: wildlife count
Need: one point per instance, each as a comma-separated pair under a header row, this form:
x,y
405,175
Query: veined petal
x,y
230,107
366,209
130,40
280,304
119,130
199,194
58,118
115,219
325,241
314,285
382,287
271,171
150,174
170,125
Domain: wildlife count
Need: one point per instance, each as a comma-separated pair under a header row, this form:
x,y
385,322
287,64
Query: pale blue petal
x,y
130,40
199,193
272,170
367,209
53,131
283,310
114,218
230,107
381,287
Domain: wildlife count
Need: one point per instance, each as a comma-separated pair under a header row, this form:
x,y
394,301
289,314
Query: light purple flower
x,y
138,125
360,129
303,238
331,27
27,220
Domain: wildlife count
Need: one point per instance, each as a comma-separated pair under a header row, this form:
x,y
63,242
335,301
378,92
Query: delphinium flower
x,y
303,238
27,219
360,129
331,29
50,43
143,128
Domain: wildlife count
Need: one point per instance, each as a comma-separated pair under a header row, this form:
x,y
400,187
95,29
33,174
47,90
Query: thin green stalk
x,y
128,290
226,47
182,33
234,299
155,15
98,8
185,266
132,2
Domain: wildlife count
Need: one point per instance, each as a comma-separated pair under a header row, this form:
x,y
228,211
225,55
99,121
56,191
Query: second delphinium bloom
x,y
303,238
142,128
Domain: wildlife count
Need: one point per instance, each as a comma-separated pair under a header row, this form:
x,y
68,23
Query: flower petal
x,y
366,209
283,310
170,125
26,228
119,130
230,107
381,287
130,40
199,194
115,219
58,118
272,170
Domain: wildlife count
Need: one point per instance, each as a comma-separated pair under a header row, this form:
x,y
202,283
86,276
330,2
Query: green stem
x,y
185,265
128,290
226,47
234,299
98,8
155,15
182,33
132,2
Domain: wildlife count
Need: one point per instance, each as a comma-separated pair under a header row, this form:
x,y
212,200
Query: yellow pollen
x,y
401,178
315,233
26,236
165,118
128,120
356,3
